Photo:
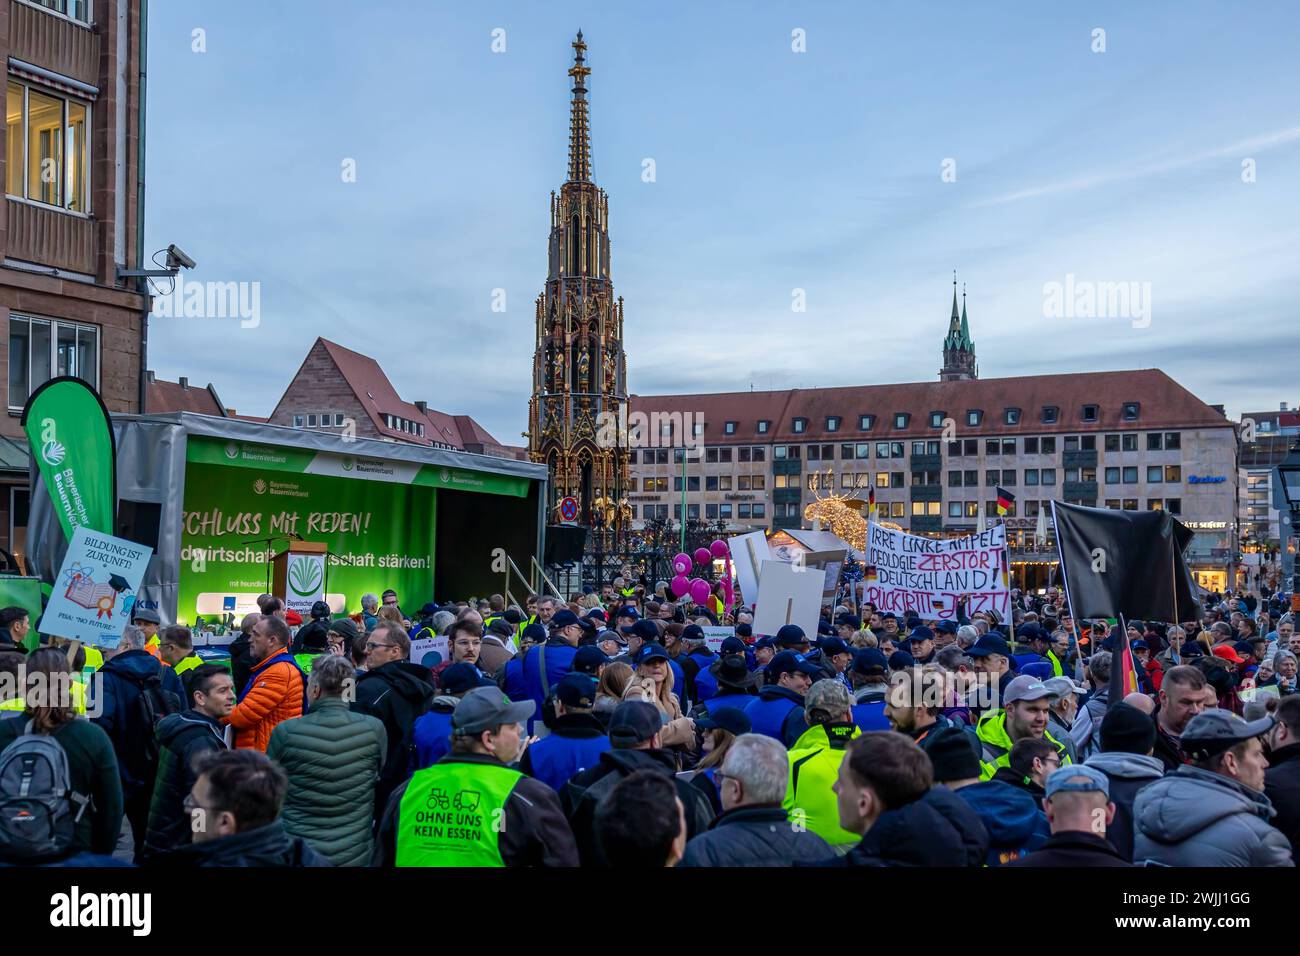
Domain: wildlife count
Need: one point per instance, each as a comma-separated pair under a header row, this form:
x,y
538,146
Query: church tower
x,y
958,349
579,368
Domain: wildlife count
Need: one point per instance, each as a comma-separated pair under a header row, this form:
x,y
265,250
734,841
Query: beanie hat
x,y
953,756
1125,729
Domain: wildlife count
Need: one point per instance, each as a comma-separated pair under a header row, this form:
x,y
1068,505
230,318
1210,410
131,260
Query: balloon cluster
x,y
698,588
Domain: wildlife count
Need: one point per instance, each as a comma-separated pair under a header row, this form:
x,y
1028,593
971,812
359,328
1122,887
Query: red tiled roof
x,y
1162,403
162,397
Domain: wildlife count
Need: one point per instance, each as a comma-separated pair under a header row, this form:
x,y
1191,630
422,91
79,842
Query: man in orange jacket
x,y
276,689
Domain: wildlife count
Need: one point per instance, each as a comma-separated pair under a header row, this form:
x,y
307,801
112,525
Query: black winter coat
x,y
265,846
397,693
1073,848
241,662
938,829
755,836
181,738
1282,787
586,790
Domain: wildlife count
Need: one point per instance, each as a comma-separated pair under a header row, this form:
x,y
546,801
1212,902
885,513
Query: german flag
x,y
871,495
1005,501
1123,668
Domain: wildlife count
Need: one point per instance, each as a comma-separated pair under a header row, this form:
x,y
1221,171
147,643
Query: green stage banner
x,y
72,444
380,534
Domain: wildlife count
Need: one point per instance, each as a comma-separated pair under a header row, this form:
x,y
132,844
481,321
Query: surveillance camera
x,y
176,257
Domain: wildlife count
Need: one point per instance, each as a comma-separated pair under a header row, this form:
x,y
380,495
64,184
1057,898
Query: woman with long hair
x,y
609,692
50,709
717,733
653,683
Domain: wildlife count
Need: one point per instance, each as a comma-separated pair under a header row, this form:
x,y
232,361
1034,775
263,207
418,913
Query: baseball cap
x,y
634,722
629,612
693,632
900,660
825,627
145,614
534,632
1139,646
946,627
1060,686
459,678
834,645
791,634
1227,653
598,614
347,627
870,661
989,644
1213,731
1039,670
788,662
576,689
732,645
1077,778
320,610
588,658
849,620
615,636
651,652
921,633
767,641
731,719
563,619
501,628
486,707
644,630
744,630
1025,687
428,610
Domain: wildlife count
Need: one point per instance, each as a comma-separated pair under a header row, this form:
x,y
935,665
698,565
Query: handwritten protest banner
x,y
926,576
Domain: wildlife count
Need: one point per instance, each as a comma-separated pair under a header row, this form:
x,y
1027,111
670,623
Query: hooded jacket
x,y
1282,787
265,846
1128,773
814,764
777,712
1014,823
937,829
397,693
333,757
575,743
869,707
114,692
584,792
725,698
1074,848
523,674
755,836
431,734
1193,817
181,738
996,743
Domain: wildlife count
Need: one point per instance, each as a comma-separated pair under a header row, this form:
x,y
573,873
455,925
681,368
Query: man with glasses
x,y
276,690
465,642
176,648
397,692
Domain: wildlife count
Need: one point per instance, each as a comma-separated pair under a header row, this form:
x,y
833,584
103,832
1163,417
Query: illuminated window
x,y
47,156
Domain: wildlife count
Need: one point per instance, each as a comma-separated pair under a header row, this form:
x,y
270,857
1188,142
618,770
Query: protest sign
x,y
788,594
714,636
421,649
927,576
748,552
95,588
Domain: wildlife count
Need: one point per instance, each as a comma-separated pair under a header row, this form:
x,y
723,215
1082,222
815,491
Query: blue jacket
x,y
739,701
113,692
524,679
1016,826
777,713
431,733
574,744
869,714
706,685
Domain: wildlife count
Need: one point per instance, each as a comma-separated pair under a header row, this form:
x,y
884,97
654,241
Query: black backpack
x,y
151,705
39,811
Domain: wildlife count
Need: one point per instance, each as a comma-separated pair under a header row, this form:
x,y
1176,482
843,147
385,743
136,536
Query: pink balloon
x,y
702,556
680,585
682,563
719,548
700,591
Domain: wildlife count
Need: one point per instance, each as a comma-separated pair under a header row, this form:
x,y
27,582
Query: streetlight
x,y
1288,481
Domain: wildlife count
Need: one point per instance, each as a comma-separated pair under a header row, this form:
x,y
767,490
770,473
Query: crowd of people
x,y
609,730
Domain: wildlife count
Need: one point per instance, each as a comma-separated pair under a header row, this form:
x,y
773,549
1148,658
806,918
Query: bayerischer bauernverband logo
x,y
232,450
53,453
259,486
304,576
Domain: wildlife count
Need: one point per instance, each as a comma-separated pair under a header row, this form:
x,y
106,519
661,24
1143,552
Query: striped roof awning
x,y
57,81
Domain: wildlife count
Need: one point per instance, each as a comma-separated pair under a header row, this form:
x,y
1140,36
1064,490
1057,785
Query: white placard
x,y
788,594
714,636
96,588
908,574
424,645
748,552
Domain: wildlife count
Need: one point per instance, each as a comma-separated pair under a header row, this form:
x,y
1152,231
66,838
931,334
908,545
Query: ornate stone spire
x,y
579,132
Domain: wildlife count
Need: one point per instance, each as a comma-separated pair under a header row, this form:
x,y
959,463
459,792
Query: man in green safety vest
x,y
472,807
1025,704
176,648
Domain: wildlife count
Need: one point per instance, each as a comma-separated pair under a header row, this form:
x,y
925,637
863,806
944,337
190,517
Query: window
x,y
325,420
972,509
954,449
298,420
901,419
954,509
763,426
971,446
693,483
729,428
918,448
661,484
679,455
1071,474
1155,441
1130,504
1174,473
971,478
863,450
896,479
48,159
918,508
780,481
724,482
1173,440
661,456
758,482
311,421
1011,416
1112,503
1050,414
936,419
992,446
742,482
73,9
1154,504
866,423
338,420
1088,442
724,455
677,483
710,482
1155,473
833,423
882,479
711,456
991,477
799,425
743,453
1088,474
1130,442
1031,446
973,417
1008,476
760,511
742,511
1130,411
1031,476
693,511
1089,413
711,512
954,479
1009,446
796,451
760,454
697,430
778,452
40,349
1112,476
896,449
814,453
1131,475
882,449
724,511
1174,505
1112,443
1049,445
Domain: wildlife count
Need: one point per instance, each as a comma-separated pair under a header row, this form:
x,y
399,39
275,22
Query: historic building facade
x,y
579,368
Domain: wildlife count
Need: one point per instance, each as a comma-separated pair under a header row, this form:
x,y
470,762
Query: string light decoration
x,y
835,512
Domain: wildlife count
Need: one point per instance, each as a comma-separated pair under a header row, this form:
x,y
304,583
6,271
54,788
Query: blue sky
x,y
775,171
